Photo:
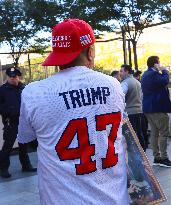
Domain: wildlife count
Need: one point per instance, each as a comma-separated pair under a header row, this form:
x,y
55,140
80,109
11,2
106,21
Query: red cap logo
x,y
69,38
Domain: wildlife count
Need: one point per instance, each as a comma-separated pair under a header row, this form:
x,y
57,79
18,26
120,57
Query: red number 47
x,y
85,150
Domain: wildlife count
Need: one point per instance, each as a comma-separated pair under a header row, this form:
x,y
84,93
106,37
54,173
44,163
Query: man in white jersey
x,y
76,117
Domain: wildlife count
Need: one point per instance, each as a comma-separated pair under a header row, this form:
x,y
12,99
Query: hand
x,y
162,68
159,67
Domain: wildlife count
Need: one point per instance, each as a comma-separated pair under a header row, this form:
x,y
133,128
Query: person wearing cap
x,y
10,97
76,116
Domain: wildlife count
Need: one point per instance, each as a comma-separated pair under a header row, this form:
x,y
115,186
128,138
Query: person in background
x,y
156,105
116,74
10,97
133,99
69,114
137,75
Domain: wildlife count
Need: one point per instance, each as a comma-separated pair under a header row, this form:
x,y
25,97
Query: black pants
x,y
9,136
136,121
145,129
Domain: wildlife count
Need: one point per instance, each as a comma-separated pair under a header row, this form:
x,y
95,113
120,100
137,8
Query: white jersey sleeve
x,y
25,130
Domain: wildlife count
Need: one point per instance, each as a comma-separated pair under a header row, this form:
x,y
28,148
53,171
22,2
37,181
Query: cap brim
x,y
57,59
12,75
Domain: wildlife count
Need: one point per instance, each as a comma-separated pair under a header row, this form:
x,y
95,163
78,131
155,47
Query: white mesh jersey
x,y
75,116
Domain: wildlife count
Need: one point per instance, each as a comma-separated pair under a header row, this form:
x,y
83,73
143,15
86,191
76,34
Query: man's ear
x,y
91,53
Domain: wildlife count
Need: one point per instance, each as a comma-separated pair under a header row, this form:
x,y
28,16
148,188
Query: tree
x,y
165,12
15,28
21,22
97,12
44,13
132,16
135,16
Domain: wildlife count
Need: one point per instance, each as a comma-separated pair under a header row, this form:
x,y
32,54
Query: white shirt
x,y
69,109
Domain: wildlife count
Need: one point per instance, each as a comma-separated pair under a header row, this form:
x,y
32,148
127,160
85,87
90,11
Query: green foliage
x,y
132,16
107,63
97,12
20,22
165,10
100,13
44,14
39,46
109,55
15,28
36,71
101,69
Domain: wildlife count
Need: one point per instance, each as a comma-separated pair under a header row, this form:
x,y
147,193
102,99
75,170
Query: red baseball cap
x,y
69,38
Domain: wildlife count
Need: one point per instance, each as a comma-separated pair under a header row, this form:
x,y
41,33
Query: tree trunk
x,y
124,45
130,53
16,59
134,44
29,66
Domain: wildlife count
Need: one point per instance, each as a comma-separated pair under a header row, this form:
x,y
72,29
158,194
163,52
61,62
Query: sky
x,y
4,48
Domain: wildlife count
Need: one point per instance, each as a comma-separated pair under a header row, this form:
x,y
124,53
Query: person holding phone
x,y
156,106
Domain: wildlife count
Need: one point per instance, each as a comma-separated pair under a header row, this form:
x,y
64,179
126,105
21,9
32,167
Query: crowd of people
x,y
148,102
76,115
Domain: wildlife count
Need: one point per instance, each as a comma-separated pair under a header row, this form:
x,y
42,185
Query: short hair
x,y
114,73
127,68
152,60
137,73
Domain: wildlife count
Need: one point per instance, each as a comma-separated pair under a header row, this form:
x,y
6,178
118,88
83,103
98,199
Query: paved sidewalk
x,y
20,192
15,168
163,175
21,189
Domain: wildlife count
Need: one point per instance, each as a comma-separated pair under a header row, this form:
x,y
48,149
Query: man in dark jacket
x,y
10,98
156,105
